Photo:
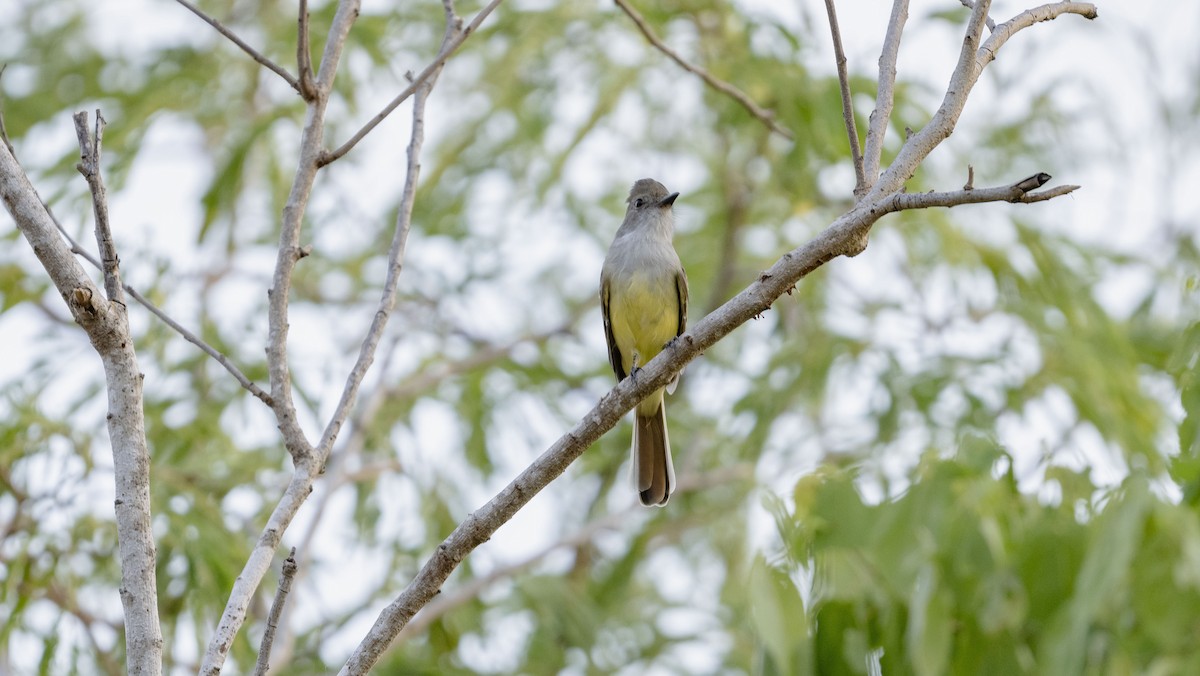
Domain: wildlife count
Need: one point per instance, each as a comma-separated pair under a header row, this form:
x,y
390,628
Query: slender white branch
x,y
885,96
307,467
1001,34
387,298
268,639
290,250
107,326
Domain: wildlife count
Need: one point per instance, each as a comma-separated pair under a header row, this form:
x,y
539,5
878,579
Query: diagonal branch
x,y
472,589
447,50
885,96
245,47
187,335
839,55
765,116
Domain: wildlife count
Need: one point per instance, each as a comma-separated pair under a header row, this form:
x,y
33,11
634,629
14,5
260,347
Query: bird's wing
x,y
614,352
681,291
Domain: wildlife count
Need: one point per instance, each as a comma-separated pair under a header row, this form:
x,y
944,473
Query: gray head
x,y
648,194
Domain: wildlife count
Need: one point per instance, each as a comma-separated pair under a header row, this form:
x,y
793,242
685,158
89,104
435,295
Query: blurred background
x,y
972,447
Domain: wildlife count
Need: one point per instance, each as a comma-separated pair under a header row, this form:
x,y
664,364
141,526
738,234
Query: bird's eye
x,y
639,202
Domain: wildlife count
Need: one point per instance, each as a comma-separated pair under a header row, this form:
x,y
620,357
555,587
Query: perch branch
x,y
470,590
839,55
765,116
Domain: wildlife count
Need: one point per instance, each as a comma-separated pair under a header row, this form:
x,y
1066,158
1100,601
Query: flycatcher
x,y
644,295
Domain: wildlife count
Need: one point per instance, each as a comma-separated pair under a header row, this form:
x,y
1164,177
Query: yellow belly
x,y
644,311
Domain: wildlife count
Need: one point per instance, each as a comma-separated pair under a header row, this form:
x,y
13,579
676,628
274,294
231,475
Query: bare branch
x,y
290,250
285,588
107,326
973,58
1001,34
245,47
387,298
446,603
307,468
445,53
765,116
1019,192
885,96
166,319
89,166
860,181
971,5
917,146
307,87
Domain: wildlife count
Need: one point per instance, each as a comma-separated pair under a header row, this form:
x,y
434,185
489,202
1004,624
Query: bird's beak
x,y
668,200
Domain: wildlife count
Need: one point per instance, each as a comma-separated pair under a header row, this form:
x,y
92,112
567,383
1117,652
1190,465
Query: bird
x,y
644,297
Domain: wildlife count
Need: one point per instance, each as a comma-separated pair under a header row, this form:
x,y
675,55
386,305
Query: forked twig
x,y
447,50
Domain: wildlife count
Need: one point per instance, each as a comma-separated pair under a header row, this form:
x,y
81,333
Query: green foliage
x,y
964,573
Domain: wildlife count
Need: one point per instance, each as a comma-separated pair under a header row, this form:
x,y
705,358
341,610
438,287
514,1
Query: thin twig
x,y
447,50
765,116
187,335
885,96
245,47
988,21
307,87
3,130
1020,192
839,55
285,588
89,166
387,297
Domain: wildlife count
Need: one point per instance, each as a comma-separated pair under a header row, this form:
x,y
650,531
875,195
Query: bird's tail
x,y
652,467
